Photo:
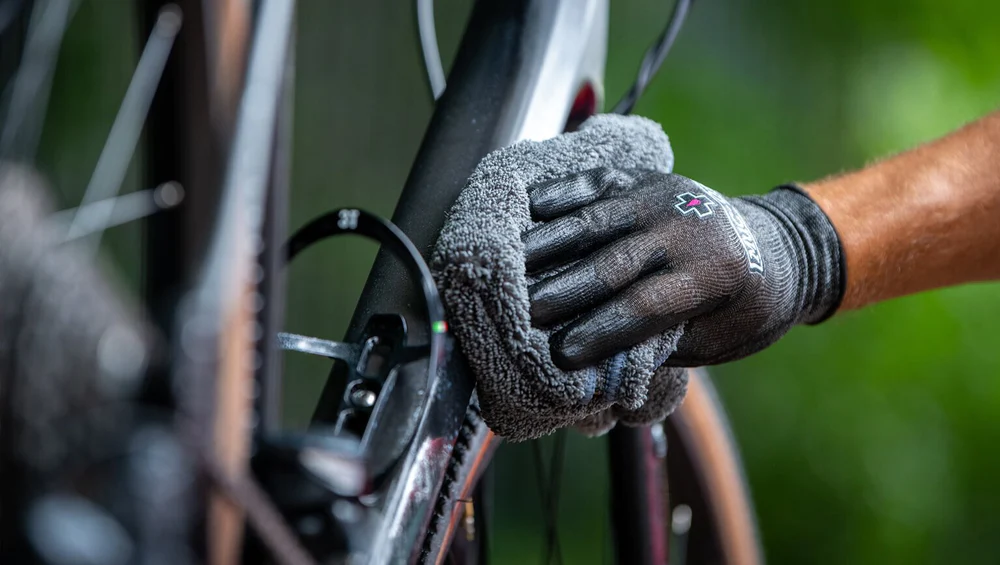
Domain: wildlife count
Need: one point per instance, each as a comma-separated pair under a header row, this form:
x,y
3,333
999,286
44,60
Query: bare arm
x,y
923,219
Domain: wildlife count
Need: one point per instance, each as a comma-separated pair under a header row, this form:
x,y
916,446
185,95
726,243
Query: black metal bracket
x,y
381,360
380,378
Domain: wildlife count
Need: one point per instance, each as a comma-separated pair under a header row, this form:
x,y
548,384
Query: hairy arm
x,y
926,218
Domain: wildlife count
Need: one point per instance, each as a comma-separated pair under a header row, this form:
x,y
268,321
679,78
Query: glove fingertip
x,y
567,353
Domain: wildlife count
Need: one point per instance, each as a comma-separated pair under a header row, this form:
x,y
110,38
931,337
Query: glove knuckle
x,y
592,219
617,179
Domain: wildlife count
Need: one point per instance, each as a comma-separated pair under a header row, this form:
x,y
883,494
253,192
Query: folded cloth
x,y
479,267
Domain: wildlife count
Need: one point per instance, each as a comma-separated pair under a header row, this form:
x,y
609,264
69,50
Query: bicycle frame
x,y
519,68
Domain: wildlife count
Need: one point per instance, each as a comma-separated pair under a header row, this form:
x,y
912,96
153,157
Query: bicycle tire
x,y
704,472
705,469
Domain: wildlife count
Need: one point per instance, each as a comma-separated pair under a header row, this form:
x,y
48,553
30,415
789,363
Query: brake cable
x,y
429,47
654,57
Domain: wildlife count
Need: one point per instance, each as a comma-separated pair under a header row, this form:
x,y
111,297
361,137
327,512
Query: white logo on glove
x,y
755,261
699,204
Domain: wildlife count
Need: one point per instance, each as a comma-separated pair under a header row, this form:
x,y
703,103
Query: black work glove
x,y
656,250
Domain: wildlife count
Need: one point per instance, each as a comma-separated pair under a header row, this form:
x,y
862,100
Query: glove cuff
x,y
825,268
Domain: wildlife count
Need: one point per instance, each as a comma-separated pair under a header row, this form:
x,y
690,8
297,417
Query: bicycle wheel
x,y
105,406
695,498
707,476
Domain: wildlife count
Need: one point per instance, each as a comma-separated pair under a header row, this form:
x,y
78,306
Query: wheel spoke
x,y
548,489
124,209
536,451
680,525
127,128
555,484
606,548
33,81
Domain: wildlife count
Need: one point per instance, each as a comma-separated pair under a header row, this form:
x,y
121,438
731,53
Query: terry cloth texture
x,y
478,264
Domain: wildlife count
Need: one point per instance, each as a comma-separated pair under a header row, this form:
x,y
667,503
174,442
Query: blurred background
x,y
869,439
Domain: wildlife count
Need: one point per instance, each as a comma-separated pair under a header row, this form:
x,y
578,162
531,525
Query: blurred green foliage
x,y
868,439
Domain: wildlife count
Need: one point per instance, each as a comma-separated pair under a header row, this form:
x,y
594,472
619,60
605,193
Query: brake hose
x,y
654,57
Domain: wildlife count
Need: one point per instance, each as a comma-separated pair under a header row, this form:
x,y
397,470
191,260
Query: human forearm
x,y
923,219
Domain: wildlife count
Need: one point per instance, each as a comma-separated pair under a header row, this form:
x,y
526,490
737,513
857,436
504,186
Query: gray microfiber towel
x,y
478,264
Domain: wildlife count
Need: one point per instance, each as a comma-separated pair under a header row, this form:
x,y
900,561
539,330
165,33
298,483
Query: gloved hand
x,y
659,249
